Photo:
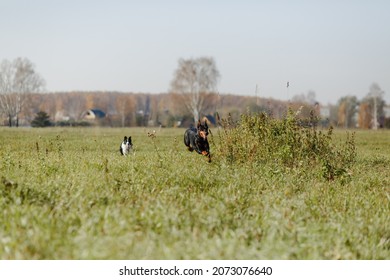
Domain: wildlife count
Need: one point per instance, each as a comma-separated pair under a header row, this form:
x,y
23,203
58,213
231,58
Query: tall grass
x,y
286,142
67,193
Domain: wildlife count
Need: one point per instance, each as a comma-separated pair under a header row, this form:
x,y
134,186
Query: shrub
x,y
72,123
42,119
290,142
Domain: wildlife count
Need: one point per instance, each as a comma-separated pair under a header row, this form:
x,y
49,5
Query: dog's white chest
x,y
125,148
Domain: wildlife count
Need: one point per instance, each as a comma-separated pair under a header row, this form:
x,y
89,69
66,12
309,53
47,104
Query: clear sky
x,y
333,47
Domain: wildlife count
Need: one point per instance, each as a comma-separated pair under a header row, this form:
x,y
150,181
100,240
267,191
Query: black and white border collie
x,y
126,146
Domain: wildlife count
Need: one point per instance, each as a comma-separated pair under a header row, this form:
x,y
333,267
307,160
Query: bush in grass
x,y
72,123
42,119
285,142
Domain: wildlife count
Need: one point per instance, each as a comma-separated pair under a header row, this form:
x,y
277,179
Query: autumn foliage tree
x,y
371,110
365,115
347,110
125,107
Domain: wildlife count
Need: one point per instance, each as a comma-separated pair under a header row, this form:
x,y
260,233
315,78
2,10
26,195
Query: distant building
x,y
60,116
211,119
93,114
325,112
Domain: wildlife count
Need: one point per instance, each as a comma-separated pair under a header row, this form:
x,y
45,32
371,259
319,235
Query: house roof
x,y
98,113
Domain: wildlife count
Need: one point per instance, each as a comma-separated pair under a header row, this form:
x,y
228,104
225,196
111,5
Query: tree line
x,y
192,95
140,109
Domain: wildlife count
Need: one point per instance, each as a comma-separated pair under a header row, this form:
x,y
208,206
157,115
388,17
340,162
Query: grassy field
x,y
67,193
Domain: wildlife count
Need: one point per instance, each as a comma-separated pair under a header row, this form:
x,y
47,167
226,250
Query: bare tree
x,y
74,105
125,108
193,80
376,95
17,80
309,98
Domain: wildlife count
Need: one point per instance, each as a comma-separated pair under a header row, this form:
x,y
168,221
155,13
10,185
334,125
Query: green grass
x,y
66,193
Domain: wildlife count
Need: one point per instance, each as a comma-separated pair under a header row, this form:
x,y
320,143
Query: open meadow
x,y
67,193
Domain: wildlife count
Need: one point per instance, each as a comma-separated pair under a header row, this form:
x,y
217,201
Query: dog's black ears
x,y
205,124
125,139
129,138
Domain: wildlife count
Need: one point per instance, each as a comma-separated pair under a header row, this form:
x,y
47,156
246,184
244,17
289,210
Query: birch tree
x,y
375,97
17,80
193,80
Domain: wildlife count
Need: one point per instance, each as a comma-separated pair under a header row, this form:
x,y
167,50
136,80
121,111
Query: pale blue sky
x,y
334,48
